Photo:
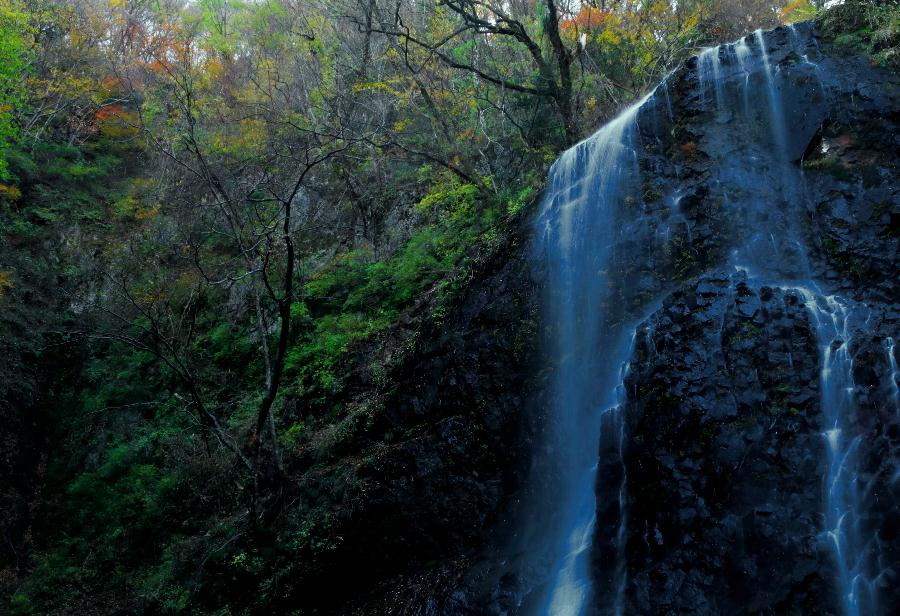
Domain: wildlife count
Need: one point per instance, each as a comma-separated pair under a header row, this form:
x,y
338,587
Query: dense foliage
x,y
207,208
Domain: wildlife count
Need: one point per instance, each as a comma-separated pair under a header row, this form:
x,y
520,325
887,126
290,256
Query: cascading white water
x,y
776,112
835,319
742,53
577,229
709,67
890,347
617,426
570,590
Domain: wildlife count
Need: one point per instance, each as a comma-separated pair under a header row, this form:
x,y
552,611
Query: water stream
x,y
577,229
579,224
836,320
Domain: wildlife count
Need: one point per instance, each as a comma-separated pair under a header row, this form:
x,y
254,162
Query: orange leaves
x,y
110,85
689,150
114,122
158,66
588,18
110,111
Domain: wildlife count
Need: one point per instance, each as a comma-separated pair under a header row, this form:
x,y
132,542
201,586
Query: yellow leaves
x,y
187,281
215,69
5,282
147,213
134,205
691,22
443,96
245,138
10,193
149,296
798,10
608,37
378,86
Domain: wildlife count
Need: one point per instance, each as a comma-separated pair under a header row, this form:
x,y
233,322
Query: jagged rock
x,y
720,461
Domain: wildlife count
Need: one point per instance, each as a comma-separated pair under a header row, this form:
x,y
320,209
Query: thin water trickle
x,y
894,376
776,112
743,54
834,320
709,66
665,89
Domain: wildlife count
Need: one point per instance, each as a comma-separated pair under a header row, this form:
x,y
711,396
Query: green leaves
x,y
13,62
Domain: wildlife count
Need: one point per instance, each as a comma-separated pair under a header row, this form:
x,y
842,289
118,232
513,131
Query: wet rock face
x,y
877,422
851,169
723,455
726,457
725,460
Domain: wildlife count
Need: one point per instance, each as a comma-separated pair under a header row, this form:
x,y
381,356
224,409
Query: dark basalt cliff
x,y
437,440
725,454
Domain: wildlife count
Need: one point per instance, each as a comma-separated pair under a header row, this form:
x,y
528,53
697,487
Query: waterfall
x,y
577,228
763,253
833,317
776,112
589,206
709,69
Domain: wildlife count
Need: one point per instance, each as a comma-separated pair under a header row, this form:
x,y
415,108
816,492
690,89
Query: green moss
x,y
356,296
862,27
831,246
832,165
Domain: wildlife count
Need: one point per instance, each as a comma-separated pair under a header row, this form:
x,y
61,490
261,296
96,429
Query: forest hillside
x,y
270,330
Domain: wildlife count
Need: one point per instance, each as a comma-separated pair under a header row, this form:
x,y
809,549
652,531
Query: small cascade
x,y
891,348
665,88
835,321
570,591
616,429
709,67
742,53
740,85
